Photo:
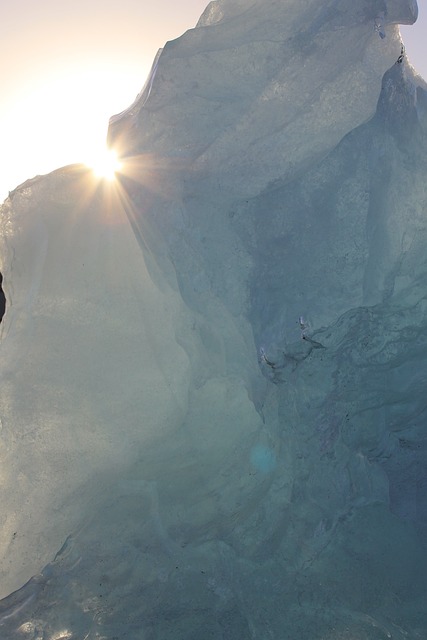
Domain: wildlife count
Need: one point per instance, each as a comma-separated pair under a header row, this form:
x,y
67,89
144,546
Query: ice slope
x,y
213,373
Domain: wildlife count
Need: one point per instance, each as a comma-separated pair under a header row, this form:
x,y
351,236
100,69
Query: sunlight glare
x,y
60,116
106,164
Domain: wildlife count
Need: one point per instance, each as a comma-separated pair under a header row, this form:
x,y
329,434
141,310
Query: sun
x,y
105,164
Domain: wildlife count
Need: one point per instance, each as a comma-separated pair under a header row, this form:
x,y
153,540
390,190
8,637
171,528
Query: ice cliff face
x,y
213,372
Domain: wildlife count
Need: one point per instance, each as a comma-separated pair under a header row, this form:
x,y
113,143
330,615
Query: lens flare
x,y
106,164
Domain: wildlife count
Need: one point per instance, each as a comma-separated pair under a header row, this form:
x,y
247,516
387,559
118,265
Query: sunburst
x,y
105,164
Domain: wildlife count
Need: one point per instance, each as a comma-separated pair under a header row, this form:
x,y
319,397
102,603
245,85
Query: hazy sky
x,y
67,65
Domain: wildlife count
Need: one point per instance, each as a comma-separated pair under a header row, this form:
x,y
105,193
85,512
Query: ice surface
x,y
213,372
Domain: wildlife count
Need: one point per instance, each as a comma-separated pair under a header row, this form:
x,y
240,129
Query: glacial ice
x,y
213,372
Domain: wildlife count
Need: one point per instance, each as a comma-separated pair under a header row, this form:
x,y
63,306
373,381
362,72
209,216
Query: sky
x,y
66,66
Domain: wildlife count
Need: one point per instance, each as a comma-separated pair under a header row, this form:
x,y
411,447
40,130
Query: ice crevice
x,y
2,299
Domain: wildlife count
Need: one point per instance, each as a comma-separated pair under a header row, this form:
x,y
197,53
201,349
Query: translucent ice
x,y
213,372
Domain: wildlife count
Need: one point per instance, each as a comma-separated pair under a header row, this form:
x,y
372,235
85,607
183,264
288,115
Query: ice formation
x,y
213,372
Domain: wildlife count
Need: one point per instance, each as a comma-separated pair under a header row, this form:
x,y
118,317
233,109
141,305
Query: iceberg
x,y
213,368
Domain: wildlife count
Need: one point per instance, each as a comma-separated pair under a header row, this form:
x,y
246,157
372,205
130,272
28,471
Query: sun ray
x,y
105,164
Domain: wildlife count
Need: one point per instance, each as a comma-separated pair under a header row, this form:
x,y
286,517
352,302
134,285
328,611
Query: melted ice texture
x,y
213,376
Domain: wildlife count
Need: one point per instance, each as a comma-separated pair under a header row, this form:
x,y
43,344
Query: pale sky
x,y
66,66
